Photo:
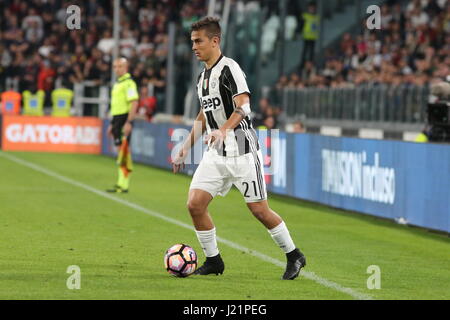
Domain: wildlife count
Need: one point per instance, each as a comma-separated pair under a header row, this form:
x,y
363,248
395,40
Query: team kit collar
x,y
124,77
215,64
206,79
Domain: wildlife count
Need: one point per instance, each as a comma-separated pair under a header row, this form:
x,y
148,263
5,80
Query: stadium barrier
x,y
51,134
402,181
150,144
380,103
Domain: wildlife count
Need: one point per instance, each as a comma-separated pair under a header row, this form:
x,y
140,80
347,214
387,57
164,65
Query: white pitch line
x,y
307,274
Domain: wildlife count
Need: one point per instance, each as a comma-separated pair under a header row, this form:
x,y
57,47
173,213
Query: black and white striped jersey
x,y
216,88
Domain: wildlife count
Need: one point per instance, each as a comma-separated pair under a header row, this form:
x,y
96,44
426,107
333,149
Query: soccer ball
x,y
180,260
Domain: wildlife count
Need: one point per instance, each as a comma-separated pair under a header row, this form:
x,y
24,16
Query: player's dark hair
x,y
210,25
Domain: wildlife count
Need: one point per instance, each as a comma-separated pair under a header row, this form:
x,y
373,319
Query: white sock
x,y
208,242
280,234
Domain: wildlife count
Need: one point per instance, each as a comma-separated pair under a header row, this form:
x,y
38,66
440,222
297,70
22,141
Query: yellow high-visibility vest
x,y
62,102
33,104
311,26
421,138
123,93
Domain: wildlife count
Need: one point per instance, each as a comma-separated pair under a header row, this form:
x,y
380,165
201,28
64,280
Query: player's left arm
x,y
242,109
131,116
133,98
242,103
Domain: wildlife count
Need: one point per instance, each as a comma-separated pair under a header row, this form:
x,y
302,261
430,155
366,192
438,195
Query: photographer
x,y
438,114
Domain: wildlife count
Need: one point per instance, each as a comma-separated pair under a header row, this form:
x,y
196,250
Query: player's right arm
x,y
196,132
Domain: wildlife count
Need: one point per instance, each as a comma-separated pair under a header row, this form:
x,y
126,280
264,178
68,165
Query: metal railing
x,y
380,103
97,97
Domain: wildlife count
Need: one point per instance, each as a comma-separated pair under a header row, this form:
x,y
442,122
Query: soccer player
x,y
124,104
233,156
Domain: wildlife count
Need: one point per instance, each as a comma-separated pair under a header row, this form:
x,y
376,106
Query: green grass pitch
x,y
49,222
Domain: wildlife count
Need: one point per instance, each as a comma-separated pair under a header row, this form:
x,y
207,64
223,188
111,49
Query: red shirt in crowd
x,y
45,73
147,107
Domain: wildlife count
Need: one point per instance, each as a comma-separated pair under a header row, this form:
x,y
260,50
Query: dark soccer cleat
x,y
113,189
295,261
212,265
117,189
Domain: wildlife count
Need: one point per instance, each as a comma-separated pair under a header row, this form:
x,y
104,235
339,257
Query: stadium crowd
x,y
38,51
412,47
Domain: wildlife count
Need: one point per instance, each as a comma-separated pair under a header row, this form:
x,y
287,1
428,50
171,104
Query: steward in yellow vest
x,y
310,33
62,102
33,103
421,138
311,26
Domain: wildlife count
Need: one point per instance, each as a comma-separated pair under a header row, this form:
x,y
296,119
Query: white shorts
x,y
216,175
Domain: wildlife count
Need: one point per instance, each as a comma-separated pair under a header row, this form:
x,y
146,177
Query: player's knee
x,y
196,208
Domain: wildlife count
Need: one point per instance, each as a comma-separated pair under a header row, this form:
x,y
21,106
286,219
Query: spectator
x,y
31,70
419,18
144,45
94,68
147,13
282,82
412,6
33,33
33,20
374,43
162,47
347,43
361,45
258,117
347,59
46,48
127,43
329,71
308,71
398,15
294,81
100,18
5,57
106,44
159,81
268,123
386,16
46,79
16,68
188,17
19,45
150,59
298,127
147,104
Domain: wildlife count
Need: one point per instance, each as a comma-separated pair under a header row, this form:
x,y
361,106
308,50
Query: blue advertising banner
x,y
403,181
153,144
408,182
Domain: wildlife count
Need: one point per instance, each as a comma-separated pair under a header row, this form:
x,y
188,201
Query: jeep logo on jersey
x,y
211,103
